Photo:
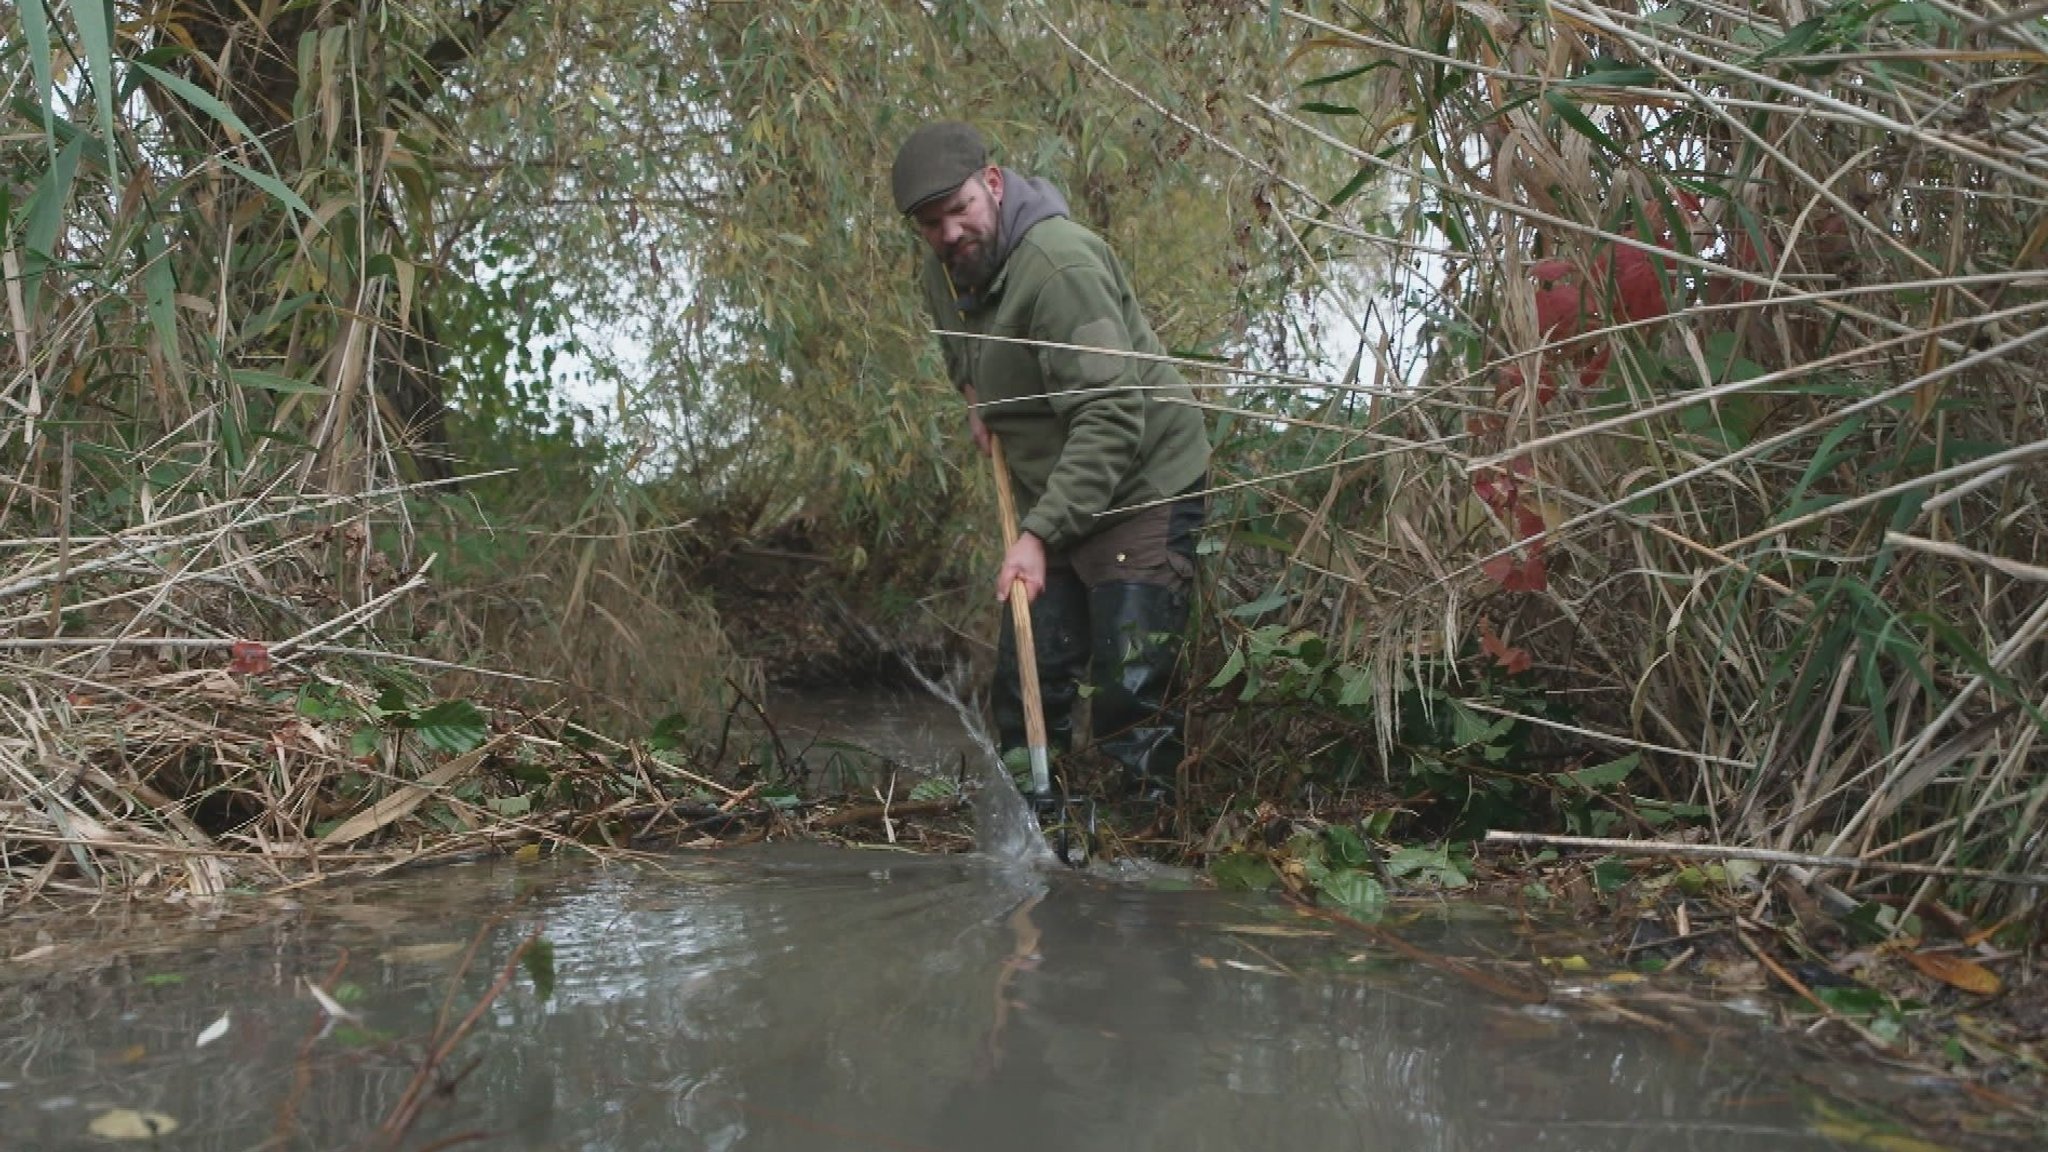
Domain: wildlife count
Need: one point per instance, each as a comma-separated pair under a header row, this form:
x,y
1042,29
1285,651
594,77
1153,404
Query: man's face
x,y
961,228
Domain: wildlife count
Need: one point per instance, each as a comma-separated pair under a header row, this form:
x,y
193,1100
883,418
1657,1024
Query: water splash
x,y
1005,828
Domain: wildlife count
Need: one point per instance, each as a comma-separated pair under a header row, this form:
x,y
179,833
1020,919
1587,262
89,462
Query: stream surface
x,y
800,997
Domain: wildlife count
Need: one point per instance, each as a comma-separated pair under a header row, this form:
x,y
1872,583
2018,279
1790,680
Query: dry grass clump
x,y
228,627
149,744
600,601
1720,426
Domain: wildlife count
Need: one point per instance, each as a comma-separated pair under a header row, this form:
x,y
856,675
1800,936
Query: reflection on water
x,y
812,999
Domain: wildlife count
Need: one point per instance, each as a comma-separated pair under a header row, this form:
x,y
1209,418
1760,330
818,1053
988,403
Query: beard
x,y
973,266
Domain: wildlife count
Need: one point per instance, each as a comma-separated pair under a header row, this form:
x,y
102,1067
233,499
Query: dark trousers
x,y
1114,610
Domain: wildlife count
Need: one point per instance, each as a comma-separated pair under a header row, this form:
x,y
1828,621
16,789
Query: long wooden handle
x,y
1020,620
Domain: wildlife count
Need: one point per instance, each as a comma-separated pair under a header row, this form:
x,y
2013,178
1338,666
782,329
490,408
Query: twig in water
x,y
407,1110
774,737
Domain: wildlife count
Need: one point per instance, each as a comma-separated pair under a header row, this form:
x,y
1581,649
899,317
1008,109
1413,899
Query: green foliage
x,y
1243,871
1474,764
1334,862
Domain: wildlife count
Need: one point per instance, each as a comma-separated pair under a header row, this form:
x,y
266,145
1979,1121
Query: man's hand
x,y
1024,561
974,424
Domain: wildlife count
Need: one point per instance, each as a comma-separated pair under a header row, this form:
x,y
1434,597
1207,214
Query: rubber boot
x,y
1137,716
1059,632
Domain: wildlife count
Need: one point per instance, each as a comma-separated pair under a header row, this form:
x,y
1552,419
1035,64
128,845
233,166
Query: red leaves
x,y
250,658
1523,569
1514,661
1500,489
1639,284
1630,278
1623,284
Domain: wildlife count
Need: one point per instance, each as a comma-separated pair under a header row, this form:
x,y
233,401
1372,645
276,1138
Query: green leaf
x,y
364,741
96,31
1354,186
160,290
1794,43
1431,863
1471,727
1329,109
1356,893
510,807
539,962
272,382
1610,873
669,732
934,788
1261,606
1243,871
1346,74
45,212
1579,121
35,27
1601,775
203,100
1357,687
271,184
451,726
1853,999
1232,668
1347,849
1613,74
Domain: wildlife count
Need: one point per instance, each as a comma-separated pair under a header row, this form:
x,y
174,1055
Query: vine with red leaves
x,y
1625,280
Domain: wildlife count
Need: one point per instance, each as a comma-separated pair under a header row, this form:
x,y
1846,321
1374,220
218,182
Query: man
x,y
1107,467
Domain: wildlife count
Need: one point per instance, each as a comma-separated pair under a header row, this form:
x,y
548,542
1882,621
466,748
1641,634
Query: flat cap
x,y
935,160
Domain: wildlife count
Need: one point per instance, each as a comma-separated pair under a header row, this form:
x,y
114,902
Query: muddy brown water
x,y
797,997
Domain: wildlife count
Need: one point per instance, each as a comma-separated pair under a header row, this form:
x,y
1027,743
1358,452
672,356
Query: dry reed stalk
x,y
1767,514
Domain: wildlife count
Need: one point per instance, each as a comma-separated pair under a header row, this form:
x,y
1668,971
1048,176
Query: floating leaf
x,y
329,1004
1846,1130
128,1124
423,953
1277,931
214,1031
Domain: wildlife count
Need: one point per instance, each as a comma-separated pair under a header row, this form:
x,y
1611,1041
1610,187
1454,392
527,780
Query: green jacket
x,y
1084,433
